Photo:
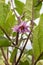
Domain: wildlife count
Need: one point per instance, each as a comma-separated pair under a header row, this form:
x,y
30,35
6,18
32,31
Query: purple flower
x,y
21,28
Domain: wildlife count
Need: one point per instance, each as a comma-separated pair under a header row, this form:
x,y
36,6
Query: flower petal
x,y
21,28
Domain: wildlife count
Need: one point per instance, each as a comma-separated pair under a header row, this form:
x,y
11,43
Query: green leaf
x,y
2,0
4,42
4,9
19,6
24,63
24,58
36,46
31,5
38,38
37,8
28,9
28,52
10,22
40,62
1,33
7,19
41,32
13,55
14,33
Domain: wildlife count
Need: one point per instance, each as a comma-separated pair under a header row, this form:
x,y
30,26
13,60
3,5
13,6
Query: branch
x,y
32,23
18,17
6,34
38,58
32,59
14,8
17,38
7,52
22,50
6,61
9,37
32,26
23,15
14,61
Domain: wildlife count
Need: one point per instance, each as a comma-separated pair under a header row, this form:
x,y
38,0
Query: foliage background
x,y
7,22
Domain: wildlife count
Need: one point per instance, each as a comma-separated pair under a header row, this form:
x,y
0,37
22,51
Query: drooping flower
x,y
21,28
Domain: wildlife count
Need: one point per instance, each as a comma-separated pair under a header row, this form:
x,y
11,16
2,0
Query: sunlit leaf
x,y
24,63
10,22
28,9
36,6
4,9
19,6
38,38
13,55
4,42
40,62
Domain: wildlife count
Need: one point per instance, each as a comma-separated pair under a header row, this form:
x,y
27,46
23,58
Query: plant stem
x,y
32,59
14,61
18,17
32,25
6,34
19,20
22,50
23,15
6,61
7,52
13,8
17,38
9,38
